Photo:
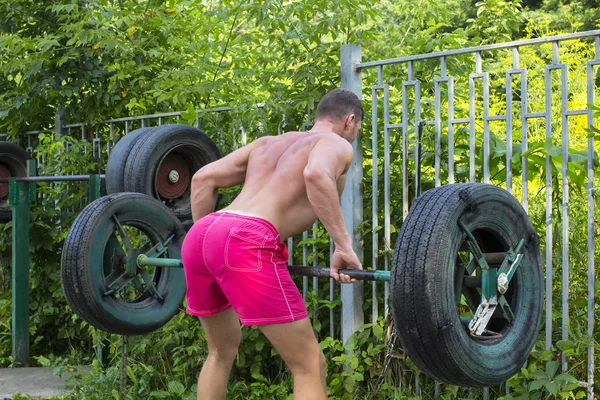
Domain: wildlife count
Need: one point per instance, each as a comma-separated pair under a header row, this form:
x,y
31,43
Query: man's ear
x,y
350,120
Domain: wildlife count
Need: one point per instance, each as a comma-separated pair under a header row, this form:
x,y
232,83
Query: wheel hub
x,y
173,177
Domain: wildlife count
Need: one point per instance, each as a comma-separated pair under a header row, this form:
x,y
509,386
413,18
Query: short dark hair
x,y
338,103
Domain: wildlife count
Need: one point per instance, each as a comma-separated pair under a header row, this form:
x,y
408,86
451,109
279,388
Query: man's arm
x,y
327,164
226,172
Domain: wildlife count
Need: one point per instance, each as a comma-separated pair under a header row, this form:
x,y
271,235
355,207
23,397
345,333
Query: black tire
x,y
191,144
13,158
87,262
115,167
187,224
424,301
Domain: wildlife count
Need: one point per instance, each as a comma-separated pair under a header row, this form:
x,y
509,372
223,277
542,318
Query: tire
x,y
87,261
424,297
187,224
115,167
13,163
194,149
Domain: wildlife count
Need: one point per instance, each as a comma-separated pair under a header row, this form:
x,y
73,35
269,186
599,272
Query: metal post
x,y
352,200
60,121
95,187
21,194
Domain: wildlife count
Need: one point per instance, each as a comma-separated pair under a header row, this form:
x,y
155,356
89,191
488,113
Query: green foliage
x,y
541,379
103,59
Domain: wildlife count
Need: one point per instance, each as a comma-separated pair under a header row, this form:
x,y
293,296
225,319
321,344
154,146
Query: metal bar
x,y
438,129
243,134
591,250
418,132
489,282
404,150
529,115
159,262
386,190
571,113
95,186
158,116
394,126
418,158
486,128
375,202
58,178
20,197
363,275
460,121
331,296
565,212
304,262
549,238
472,149
352,199
524,143
497,118
471,50
297,270
450,130
509,130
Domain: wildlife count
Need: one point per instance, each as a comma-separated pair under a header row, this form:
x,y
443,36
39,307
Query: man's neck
x,y
322,125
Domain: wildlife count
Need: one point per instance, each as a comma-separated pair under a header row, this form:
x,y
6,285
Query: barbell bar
x,y
492,259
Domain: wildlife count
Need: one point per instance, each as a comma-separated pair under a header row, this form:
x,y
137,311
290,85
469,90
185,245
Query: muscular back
x,y
274,185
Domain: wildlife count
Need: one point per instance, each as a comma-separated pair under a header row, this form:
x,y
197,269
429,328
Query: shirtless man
x,y
235,259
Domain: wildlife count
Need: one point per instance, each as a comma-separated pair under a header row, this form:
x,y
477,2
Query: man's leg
x,y
296,343
223,334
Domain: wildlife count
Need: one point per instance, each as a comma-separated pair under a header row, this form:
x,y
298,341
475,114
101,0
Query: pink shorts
x,y
237,261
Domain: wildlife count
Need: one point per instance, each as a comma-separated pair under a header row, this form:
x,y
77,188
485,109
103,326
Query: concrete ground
x,y
35,382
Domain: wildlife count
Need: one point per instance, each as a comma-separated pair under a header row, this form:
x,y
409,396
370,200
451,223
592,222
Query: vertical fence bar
x,y
509,130
565,208
304,262
524,140
386,189
438,120
590,231
418,129
375,205
472,128
405,145
244,139
486,127
450,130
352,200
331,296
549,232
111,140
